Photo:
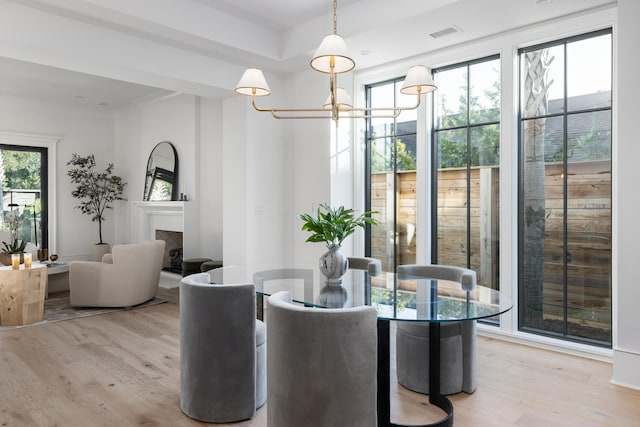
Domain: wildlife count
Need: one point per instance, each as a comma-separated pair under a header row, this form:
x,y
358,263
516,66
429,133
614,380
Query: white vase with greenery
x,y
332,226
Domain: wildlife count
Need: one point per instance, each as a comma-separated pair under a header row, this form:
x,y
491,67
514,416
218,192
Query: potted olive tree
x,y
96,191
332,226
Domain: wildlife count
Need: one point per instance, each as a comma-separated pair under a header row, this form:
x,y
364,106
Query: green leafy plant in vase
x,y
332,226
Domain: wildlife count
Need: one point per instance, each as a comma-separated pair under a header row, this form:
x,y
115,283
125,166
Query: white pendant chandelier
x,y
332,57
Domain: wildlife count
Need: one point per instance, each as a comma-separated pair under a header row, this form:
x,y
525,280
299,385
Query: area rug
x,y
57,308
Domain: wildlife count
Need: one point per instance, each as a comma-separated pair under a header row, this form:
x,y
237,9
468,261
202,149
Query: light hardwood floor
x,y
122,369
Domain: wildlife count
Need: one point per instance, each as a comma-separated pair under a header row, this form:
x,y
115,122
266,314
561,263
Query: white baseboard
x,y
625,369
547,343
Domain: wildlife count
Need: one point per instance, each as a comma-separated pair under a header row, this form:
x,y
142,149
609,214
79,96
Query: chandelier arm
x,y
334,113
344,116
400,109
370,116
288,110
279,116
318,110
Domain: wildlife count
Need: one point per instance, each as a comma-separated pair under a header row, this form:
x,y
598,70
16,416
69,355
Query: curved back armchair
x,y
372,265
222,351
321,365
304,274
457,340
130,278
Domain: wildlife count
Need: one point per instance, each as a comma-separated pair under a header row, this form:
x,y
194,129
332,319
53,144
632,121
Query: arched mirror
x,y
161,181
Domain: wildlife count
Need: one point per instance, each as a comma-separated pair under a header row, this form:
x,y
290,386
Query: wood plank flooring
x,y
122,369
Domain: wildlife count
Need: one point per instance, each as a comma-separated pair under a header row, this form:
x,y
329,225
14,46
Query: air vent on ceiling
x,y
445,32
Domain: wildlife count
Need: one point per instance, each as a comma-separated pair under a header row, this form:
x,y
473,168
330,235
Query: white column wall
x,y
210,182
308,146
626,356
254,171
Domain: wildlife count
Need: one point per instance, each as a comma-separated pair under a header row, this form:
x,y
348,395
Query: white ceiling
x,y
277,35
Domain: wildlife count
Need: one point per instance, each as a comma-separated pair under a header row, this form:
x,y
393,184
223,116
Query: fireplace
x,y
172,260
148,218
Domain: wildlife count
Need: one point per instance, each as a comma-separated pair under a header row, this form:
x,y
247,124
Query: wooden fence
x,y
588,228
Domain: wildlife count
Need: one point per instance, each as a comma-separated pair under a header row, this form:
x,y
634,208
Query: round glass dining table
x,y
400,298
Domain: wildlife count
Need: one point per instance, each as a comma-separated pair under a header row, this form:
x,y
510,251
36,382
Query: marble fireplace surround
x,y
147,217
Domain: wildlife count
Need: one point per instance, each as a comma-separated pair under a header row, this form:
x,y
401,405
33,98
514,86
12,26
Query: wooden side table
x,y
22,295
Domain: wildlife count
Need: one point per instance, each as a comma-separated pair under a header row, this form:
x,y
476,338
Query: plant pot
x,y
99,250
6,259
333,265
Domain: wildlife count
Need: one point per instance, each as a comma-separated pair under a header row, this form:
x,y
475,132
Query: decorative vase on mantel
x,y
333,265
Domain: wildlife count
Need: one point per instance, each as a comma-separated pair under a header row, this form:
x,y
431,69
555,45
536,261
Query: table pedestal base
x,y
384,382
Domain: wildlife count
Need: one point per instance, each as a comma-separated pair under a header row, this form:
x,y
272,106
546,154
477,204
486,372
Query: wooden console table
x,y
22,295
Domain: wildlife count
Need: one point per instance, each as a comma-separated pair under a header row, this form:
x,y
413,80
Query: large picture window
x,y
391,178
565,188
466,156
23,188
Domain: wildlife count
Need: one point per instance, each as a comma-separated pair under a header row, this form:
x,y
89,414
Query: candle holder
x,y
27,259
15,261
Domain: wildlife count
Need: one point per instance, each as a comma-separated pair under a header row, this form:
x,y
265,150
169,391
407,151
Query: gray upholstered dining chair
x,y
457,340
284,274
222,351
321,364
372,265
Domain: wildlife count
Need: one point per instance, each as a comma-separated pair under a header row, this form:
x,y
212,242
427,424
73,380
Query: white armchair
x,y
130,278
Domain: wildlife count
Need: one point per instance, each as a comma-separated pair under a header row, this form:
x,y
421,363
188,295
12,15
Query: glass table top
x,y
395,297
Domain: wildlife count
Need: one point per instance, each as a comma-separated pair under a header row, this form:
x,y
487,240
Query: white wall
x,y
209,186
308,148
84,132
129,154
254,172
194,126
626,201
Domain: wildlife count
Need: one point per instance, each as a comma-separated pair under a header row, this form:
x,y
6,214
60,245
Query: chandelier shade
x,y
343,101
332,56
253,83
417,81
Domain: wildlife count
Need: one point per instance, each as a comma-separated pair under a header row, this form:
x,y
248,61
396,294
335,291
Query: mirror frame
x,y
148,181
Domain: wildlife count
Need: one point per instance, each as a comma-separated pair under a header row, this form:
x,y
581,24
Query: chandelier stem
x,y
335,17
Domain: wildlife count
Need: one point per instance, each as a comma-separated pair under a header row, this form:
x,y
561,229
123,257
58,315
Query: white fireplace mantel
x,y
147,217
